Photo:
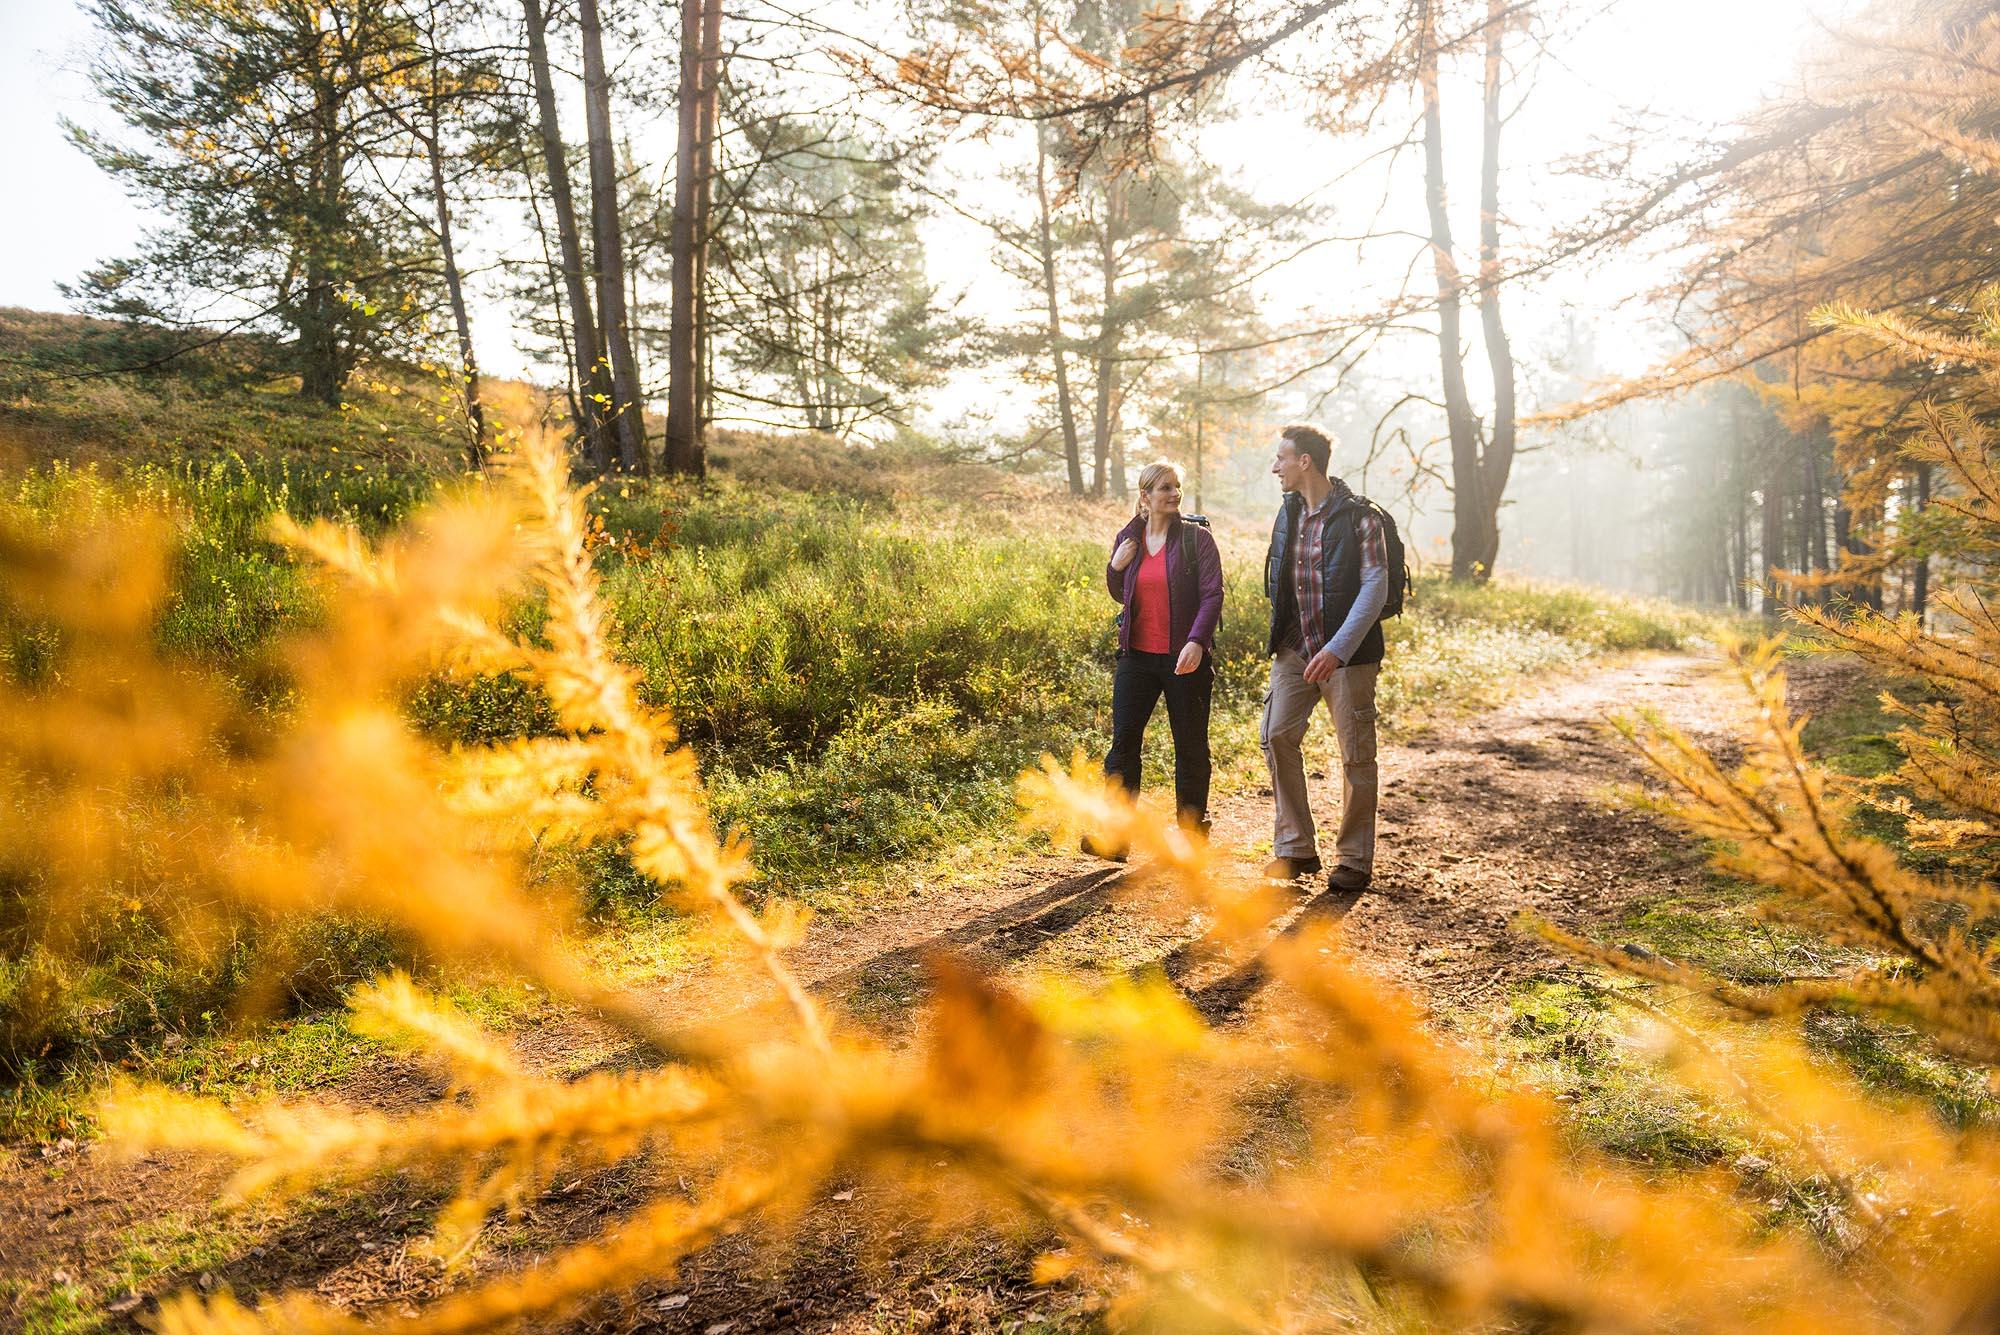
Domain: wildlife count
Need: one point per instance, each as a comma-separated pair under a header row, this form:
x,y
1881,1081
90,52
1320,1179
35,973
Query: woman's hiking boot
x,y
1109,852
1290,869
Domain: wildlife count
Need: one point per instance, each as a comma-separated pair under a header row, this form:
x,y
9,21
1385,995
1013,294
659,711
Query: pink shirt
x,y
1152,628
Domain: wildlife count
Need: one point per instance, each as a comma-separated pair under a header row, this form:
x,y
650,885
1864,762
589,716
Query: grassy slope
x,y
64,396
865,647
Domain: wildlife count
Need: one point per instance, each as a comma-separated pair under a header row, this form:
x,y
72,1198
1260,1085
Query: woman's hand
x,y
1190,658
1123,556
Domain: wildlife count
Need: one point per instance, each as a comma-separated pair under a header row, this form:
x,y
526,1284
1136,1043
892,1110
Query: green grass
x,y
60,1309
285,1057
1852,738
1567,1037
864,674
1563,1034
234,1056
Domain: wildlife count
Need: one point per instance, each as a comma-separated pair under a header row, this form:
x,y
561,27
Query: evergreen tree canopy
x,y
251,133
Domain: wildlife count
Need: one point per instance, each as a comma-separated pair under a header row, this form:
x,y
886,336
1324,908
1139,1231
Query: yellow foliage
x,y
1112,1114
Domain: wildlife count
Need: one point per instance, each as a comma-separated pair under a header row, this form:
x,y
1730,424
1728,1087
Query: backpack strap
x,y
1190,567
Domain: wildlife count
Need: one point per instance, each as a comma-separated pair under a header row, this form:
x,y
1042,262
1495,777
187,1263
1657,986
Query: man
x,y
1327,578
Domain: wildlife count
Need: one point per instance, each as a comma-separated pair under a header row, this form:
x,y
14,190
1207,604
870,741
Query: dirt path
x,y
1512,811
1508,812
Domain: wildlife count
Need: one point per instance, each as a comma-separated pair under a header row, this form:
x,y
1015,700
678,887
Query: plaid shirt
x,y
1307,584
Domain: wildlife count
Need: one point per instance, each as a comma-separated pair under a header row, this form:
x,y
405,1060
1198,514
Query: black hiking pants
x,y
1138,684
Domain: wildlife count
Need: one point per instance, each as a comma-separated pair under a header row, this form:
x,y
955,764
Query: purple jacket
x,y
1194,598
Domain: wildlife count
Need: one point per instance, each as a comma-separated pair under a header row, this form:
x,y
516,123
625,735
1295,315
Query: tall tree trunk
x,y
1812,505
1065,409
1104,368
1740,519
682,451
637,318
1843,537
1100,421
1499,454
318,322
628,420
468,365
1106,449
594,390
1469,506
1120,487
1772,553
1920,586
1847,537
1200,417
1579,545
710,120
1045,237
572,390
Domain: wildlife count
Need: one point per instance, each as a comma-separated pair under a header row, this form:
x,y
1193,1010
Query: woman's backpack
x,y
1188,566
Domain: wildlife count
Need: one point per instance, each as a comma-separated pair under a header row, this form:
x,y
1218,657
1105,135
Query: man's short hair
x,y
1311,442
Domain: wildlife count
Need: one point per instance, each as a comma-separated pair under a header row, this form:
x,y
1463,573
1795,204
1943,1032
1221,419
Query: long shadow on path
x,y
1017,929
1008,932
1222,999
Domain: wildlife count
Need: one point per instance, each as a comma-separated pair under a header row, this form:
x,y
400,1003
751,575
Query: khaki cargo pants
x,y
1350,697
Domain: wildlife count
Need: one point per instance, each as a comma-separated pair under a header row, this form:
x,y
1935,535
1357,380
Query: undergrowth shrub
x,y
1604,622
863,680
1403,1185
765,633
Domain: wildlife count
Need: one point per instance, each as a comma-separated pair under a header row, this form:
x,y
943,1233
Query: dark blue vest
x,y
1340,577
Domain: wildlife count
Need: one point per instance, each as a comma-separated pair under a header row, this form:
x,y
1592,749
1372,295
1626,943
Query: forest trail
x,y
1483,819
1509,811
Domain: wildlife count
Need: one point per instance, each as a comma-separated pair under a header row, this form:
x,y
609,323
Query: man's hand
x,y
1123,556
1322,666
1189,660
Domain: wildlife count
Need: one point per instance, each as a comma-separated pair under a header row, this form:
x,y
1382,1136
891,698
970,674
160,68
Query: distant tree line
x,y
1868,189
343,174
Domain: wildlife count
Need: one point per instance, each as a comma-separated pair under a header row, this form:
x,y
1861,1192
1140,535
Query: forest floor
x,y
1512,812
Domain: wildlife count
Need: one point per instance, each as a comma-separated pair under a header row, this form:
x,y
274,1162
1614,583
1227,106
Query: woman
x,y
1167,575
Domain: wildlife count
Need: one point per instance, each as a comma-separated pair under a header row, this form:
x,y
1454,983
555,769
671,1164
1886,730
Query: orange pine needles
x,y
1392,1183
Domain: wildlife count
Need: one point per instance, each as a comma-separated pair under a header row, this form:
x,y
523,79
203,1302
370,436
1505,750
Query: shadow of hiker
x,y
1221,1000
1006,933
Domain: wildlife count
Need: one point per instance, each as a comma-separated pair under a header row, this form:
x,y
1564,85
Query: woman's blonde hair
x,y
1149,477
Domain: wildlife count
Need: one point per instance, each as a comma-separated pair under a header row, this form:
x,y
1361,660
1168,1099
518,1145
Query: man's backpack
x,y
1392,556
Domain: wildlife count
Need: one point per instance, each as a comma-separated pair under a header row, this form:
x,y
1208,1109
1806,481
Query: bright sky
x,y
1706,60
64,215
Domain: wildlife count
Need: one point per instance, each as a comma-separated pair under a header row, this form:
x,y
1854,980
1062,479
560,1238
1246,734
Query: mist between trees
x,y
433,712
1032,233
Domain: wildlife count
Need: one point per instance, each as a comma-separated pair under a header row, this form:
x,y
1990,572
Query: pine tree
x,y
252,125
817,293
1926,936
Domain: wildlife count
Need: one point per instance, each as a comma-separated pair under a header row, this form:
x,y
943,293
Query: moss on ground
x,y
1565,1031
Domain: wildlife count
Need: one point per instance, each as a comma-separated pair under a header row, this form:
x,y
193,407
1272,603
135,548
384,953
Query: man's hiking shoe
x,y
1290,869
1349,879
1105,851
